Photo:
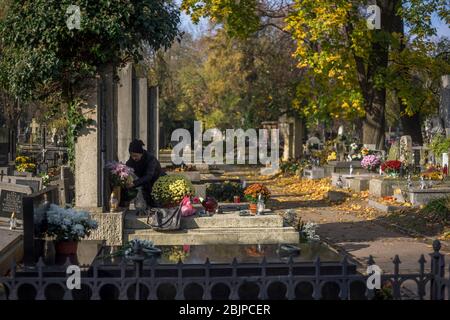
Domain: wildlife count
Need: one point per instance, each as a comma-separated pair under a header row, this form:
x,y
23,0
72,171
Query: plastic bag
x,y
186,207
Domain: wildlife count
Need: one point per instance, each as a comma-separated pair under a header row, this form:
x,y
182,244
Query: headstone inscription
x,y
11,196
10,201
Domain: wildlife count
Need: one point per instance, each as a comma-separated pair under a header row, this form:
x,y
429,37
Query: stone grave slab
x,y
314,173
344,177
419,197
343,167
226,228
11,248
360,182
336,196
382,207
379,187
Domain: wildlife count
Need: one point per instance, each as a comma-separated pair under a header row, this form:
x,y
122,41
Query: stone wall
x,y
110,227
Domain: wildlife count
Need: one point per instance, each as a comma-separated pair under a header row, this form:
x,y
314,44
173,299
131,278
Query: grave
x,y
225,228
35,183
11,248
11,197
343,167
381,187
360,183
382,207
338,178
291,132
314,173
336,196
417,196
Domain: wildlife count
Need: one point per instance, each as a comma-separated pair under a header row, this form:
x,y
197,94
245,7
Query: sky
x,y
187,25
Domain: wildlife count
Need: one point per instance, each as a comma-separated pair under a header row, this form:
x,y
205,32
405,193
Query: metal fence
x,y
130,280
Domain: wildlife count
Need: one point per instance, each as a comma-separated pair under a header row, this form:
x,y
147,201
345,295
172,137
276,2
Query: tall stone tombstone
x,y
444,105
291,132
88,172
124,111
406,154
153,121
143,110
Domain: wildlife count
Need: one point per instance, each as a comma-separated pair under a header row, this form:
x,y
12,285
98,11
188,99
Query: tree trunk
x,y
375,97
374,121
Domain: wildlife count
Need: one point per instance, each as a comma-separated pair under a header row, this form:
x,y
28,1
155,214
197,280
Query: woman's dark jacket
x,y
148,170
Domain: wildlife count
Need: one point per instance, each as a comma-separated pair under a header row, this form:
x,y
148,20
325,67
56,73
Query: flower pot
x,y
64,250
253,208
66,247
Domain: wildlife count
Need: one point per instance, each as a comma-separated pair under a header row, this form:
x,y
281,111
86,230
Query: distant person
x,y
146,167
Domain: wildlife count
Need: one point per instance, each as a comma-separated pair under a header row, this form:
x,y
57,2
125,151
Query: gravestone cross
x,y
34,130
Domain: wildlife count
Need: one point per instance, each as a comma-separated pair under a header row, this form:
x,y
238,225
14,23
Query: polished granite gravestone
x,y
11,196
300,259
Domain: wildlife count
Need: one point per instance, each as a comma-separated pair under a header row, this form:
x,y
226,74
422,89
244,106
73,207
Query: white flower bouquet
x,y
68,224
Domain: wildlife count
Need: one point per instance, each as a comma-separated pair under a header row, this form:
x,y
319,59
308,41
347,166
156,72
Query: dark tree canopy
x,y
40,53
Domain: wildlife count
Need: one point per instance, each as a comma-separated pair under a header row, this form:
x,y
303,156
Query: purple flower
x,y
370,162
119,171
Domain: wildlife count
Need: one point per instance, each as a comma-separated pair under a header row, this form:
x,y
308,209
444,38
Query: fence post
x,y
437,271
396,284
421,286
370,293
138,260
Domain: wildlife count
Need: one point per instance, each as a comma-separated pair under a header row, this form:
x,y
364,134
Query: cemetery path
x,y
351,227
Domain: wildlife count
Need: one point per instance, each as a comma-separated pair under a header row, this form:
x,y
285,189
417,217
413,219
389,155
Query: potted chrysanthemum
x,y
169,190
67,227
252,193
